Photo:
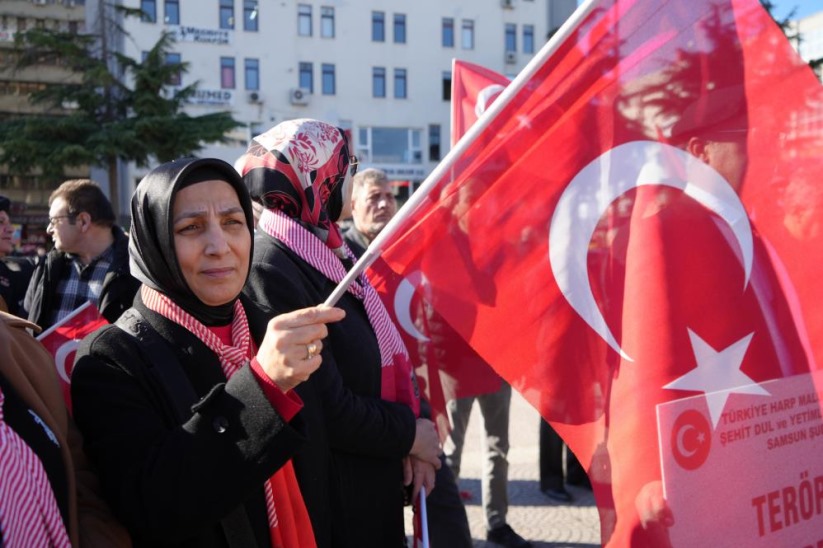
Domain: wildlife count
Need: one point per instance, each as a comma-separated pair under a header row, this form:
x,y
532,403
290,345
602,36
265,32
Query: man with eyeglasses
x,y
89,261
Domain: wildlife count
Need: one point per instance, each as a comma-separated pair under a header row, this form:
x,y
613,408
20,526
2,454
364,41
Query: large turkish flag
x,y
638,222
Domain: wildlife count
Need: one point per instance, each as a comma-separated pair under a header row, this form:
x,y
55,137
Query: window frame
x,y
228,71
251,73
378,26
304,20
327,27
378,85
399,28
328,79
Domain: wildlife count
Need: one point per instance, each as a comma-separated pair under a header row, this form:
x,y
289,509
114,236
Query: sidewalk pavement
x,y
531,514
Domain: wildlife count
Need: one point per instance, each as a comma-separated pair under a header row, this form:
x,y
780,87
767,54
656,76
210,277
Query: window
x,y
171,12
434,142
467,35
378,26
389,145
227,14
303,20
511,37
251,74
149,9
448,32
447,85
174,59
528,38
306,77
327,22
227,72
328,83
378,82
399,83
399,28
250,15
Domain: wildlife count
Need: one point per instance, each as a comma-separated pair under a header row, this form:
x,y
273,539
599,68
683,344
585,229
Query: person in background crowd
x,y
373,205
191,422
15,272
298,170
47,488
89,261
553,477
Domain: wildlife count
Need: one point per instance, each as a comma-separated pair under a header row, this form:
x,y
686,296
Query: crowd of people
x,y
222,405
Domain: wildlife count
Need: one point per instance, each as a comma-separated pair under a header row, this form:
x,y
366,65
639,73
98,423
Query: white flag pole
x,y
424,520
376,246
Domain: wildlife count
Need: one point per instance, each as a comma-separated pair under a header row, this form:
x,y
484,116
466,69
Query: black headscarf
x,y
5,204
152,258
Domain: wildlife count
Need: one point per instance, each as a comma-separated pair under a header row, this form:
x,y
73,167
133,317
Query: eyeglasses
x,y
53,220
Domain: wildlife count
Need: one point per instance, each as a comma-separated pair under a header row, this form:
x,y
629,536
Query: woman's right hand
x,y
290,351
426,445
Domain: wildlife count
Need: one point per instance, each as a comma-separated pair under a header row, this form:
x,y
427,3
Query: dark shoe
x,y
505,536
558,495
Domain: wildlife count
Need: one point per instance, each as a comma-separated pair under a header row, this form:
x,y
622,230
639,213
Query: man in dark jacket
x,y
15,272
89,261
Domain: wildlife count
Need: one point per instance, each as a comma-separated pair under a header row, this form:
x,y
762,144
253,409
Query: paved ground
x,y
535,517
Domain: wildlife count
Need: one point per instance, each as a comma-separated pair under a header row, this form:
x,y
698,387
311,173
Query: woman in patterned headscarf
x,y
300,171
191,420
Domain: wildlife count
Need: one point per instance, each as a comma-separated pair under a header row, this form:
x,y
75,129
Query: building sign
x,y
403,172
220,97
201,36
6,35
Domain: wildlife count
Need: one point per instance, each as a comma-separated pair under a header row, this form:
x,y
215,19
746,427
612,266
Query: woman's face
x,y
6,233
211,240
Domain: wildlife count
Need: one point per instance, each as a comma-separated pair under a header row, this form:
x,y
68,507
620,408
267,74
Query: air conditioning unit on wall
x,y
299,96
254,97
511,57
507,4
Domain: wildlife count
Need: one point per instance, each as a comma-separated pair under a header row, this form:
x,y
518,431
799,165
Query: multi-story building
x,y
29,194
379,68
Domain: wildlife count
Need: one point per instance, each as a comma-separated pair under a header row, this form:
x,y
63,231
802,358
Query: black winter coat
x,y
366,469
172,483
116,296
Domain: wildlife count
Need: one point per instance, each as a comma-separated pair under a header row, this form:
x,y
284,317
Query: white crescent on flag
x,y
402,303
606,178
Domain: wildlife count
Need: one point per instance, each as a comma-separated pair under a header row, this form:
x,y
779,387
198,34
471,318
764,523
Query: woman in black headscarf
x,y
299,171
191,425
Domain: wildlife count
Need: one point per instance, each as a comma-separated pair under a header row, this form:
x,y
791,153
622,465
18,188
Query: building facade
x,y
378,68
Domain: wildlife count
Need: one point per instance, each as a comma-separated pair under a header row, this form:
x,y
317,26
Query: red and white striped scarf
x,y
29,515
232,358
398,382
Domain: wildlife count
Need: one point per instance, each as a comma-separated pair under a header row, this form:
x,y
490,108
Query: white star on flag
x,y
718,374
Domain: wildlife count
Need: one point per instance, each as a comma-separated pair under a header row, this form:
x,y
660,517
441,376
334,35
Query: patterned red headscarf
x,y
299,167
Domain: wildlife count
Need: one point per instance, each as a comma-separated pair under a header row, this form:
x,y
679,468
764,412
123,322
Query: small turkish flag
x,y
62,340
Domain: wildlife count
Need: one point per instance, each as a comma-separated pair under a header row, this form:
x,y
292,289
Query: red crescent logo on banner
x,y
691,439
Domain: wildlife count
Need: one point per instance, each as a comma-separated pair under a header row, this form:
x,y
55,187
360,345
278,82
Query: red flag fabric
x,y
474,88
447,366
639,224
62,340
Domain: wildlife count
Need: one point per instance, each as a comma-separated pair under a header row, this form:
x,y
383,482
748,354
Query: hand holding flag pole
x,y
376,246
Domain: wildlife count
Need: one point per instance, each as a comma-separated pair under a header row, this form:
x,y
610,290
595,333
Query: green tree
x,y
111,108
